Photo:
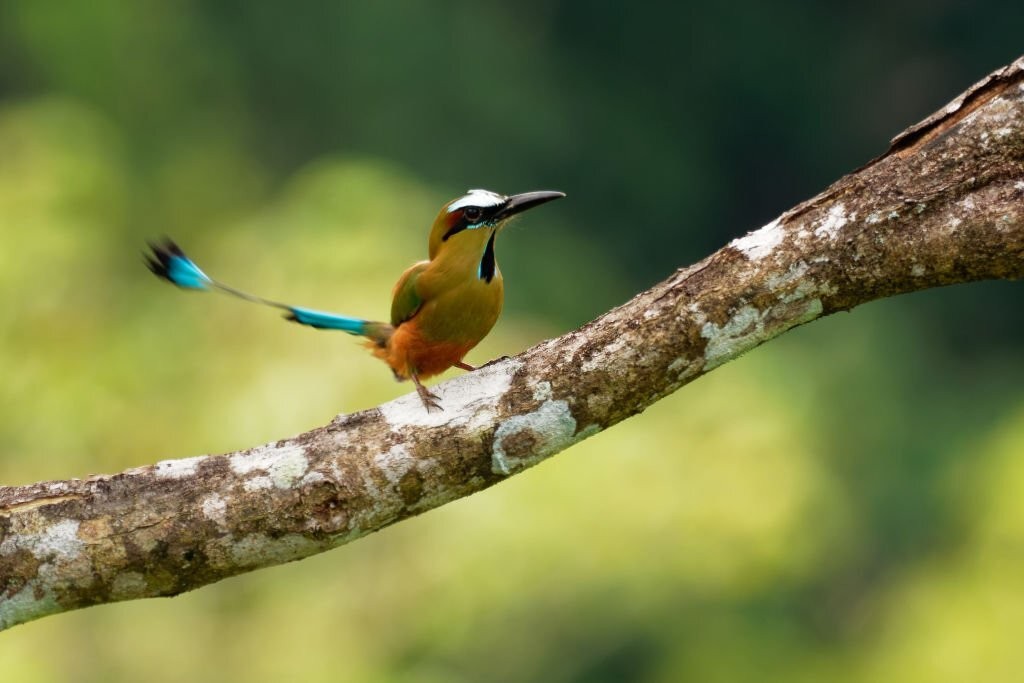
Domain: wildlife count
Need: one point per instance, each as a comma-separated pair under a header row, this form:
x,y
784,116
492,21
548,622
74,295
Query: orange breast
x,y
409,351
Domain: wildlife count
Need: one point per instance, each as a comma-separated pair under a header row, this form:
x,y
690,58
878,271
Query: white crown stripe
x,y
481,198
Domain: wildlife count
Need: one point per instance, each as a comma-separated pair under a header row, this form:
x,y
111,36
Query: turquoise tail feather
x,y
322,320
169,262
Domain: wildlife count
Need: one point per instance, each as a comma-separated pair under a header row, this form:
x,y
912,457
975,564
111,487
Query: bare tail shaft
x,y
170,263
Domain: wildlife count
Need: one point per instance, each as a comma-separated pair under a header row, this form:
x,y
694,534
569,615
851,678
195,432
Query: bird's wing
x,y
406,299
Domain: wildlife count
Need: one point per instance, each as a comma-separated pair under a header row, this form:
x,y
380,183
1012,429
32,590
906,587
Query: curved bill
x,y
518,203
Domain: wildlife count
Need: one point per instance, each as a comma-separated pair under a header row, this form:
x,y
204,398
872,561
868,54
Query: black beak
x,y
518,203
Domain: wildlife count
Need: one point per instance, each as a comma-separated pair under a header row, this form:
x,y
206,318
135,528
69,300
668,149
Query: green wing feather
x,y
407,300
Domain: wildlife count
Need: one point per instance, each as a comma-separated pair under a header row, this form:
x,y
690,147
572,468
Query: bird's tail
x,y
167,261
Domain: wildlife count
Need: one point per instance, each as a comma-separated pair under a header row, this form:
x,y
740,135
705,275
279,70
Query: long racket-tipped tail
x,y
167,261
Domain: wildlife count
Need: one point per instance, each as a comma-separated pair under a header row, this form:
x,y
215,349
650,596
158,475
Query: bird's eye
x,y
472,214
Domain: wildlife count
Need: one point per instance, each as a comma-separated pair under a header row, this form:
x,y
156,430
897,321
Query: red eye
x,y
472,214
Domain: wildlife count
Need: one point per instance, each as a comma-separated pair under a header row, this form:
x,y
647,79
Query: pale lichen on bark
x,y
944,205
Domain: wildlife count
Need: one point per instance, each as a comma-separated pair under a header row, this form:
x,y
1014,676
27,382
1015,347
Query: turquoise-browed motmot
x,y
440,308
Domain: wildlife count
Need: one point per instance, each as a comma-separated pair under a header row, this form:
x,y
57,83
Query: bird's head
x,y
480,214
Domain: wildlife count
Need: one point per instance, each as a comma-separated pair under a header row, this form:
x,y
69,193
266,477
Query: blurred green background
x,y
845,504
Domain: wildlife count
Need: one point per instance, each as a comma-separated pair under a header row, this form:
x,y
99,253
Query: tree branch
x,y
944,205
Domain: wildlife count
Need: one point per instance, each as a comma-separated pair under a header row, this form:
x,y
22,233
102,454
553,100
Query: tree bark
x,y
944,205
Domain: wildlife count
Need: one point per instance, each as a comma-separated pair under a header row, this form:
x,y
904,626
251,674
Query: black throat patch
x,y
487,263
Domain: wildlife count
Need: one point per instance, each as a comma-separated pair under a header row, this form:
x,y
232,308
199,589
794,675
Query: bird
x,y
441,307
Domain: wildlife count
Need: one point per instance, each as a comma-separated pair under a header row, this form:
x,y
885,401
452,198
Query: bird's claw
x,y
499,359
430,400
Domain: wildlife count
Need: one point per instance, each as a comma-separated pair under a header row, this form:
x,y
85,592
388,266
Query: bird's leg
x,y
430,401
466,366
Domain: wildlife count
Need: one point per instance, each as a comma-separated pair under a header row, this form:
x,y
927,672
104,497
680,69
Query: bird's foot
x,y
496,360
465,366
430,401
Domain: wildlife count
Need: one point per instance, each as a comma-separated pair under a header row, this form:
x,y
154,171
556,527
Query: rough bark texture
x,y
944,205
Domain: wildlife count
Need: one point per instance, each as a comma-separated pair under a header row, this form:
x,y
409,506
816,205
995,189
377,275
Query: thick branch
x,y
944,205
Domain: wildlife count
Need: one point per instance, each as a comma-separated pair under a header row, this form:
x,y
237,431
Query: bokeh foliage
x,y
844,504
